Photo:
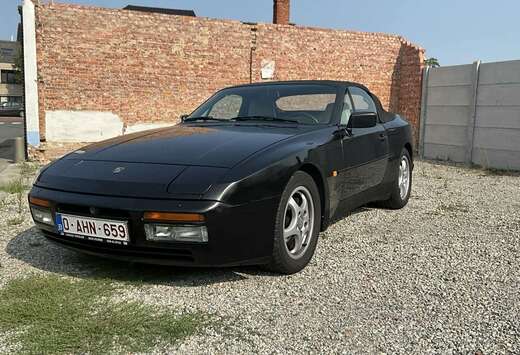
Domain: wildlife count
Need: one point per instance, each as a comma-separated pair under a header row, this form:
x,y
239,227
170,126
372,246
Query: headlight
x,y
175,233
42,215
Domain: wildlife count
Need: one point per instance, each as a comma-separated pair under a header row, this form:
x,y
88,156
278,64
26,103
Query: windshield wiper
x,y
263,118
207,118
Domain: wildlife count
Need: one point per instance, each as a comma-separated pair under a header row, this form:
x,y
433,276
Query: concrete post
x,y
32,123
424,106
19,150
472,113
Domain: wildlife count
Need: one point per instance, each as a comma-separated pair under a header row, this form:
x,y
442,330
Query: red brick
x,y
148,67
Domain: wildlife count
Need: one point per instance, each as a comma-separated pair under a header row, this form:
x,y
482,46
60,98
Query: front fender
x,y
267,182
265,174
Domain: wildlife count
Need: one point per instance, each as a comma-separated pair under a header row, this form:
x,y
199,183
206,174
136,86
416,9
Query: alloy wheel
x,y
404,177
298,222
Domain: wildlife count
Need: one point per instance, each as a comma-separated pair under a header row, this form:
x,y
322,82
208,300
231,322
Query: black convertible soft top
x,y
338,83
385,116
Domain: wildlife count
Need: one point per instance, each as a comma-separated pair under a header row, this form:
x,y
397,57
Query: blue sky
x,y
454,31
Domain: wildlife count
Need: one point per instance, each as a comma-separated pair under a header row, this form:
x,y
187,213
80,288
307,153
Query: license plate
x,y
101,230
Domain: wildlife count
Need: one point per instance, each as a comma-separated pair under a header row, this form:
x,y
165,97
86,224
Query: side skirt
x,y
345,207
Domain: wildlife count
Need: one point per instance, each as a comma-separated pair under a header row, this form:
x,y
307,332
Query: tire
x,y
398,198
289,254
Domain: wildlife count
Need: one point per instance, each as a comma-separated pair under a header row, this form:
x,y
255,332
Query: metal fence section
x,y
471,114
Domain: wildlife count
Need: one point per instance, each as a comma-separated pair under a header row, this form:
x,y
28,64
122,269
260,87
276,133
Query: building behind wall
x,y
10,88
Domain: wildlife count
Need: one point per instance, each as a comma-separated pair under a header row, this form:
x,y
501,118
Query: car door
x,y
365,149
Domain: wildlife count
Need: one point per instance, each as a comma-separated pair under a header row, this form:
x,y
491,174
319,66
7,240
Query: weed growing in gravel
x,y
56,315
15,221
14,187
28,169
19,186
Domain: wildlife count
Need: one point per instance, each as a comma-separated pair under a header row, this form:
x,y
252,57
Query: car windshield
x,y
298,103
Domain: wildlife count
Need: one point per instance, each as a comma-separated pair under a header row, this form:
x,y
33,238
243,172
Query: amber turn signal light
x,y
39,202
173,217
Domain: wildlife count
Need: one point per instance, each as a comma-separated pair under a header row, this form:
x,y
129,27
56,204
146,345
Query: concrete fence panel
x,y
500,73
449,98
471,114
451,76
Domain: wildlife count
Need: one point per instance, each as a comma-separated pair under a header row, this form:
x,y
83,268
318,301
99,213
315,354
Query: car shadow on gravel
x,y
32,248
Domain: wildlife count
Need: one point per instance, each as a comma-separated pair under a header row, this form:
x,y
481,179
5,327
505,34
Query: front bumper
x,y
238,235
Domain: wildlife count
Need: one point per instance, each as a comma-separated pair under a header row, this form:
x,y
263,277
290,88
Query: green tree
x,y
432,62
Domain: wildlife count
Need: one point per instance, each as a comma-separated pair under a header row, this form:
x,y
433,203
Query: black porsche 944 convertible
x,y
250,177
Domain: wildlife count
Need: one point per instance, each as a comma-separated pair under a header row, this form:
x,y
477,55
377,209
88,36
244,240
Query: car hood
x,y
182,161
209,145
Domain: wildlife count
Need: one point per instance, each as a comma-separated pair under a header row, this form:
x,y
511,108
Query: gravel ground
x,y
440,276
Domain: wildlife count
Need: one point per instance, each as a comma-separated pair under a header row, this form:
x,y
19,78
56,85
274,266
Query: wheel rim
x,y
404,177
298,222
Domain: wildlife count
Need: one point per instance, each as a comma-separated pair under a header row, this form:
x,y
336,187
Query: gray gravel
x,y
440,276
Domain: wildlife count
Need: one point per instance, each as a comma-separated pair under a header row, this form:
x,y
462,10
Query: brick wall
x,y
151,67
410,85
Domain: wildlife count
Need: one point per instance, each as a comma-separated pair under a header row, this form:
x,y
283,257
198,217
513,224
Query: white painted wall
x,y
146,126
30,73
81,126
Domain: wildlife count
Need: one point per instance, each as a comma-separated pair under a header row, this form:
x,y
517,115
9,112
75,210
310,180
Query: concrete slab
x,y
442,134
495,116
499,95
450,76
500,73
448,115
498,138
450,96
444,152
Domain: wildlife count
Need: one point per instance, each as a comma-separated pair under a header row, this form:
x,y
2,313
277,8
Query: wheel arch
x,y
408,147
319,180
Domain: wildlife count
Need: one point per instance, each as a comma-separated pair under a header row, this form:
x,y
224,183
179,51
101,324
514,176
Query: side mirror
x,y
362,120
183,117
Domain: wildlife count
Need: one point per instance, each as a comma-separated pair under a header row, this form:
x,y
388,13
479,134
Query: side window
x,y
228,107
362,100
347,110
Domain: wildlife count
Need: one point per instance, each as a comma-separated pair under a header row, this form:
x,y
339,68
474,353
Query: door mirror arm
x,y
343,131
348,128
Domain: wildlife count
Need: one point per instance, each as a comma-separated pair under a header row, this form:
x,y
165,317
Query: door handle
x,y
382,136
